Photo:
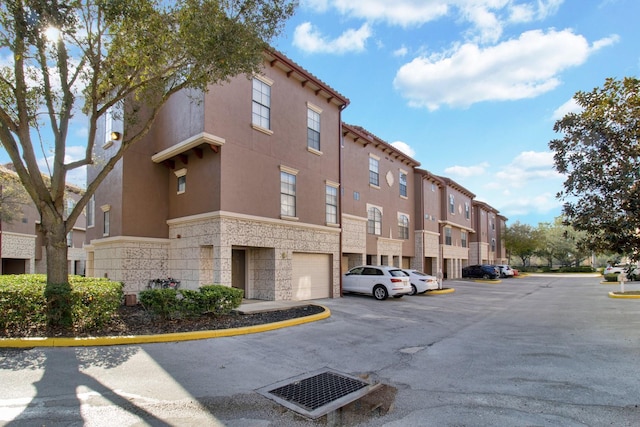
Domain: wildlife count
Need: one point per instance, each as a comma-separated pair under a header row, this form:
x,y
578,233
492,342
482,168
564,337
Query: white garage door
x,y
311,276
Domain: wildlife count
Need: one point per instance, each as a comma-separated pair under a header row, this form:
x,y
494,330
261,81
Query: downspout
x,y
340,190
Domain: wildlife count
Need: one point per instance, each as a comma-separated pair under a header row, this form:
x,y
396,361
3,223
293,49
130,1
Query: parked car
x,y
505,270
484,271
377,280
421,282
632,271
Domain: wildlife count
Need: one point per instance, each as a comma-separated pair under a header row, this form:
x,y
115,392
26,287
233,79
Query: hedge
x,y
28,305
210,299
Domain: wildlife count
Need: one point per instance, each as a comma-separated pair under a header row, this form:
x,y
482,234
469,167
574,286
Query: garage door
x,y
311,276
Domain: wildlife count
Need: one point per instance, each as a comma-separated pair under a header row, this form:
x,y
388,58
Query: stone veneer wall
x,y
391,248
270,244
427,244
456,257
131,260
20,246
479,253
354,234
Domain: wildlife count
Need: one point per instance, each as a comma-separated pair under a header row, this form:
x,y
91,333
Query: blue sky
x,y
469,88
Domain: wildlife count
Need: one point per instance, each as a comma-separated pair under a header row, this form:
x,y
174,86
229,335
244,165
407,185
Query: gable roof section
x,y
365,138
306,79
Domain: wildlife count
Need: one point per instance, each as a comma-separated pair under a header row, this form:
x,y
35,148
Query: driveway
x,y
544,350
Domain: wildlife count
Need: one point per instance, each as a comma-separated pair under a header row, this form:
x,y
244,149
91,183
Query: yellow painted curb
x,y
491,282
604,282
440,291
613,295
148,339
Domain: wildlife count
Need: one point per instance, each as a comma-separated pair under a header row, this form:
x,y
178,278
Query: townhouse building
x,y
237,186
258,184
21,241
377,201
487,243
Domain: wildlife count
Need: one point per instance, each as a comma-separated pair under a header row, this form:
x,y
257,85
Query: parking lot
x,y
541,350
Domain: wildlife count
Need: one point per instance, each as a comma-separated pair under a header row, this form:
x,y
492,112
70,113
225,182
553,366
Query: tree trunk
x,y
58,290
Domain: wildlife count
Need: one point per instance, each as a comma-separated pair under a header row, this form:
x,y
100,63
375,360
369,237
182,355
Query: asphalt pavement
x,y
536,351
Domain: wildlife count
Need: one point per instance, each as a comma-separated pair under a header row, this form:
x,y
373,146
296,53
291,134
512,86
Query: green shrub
x,y
161,302
169,303
581,269
28,305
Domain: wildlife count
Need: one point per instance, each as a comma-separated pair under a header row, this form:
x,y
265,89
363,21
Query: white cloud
x,y
405,148
568,107
402,51
486,18
466,171
520,68
309,39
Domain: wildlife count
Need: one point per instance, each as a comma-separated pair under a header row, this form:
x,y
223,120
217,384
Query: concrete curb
x,y
440,291
149,339
490,282
613,295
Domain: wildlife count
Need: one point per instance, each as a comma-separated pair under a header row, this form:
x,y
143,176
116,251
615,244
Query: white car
x,y
505,270
421,282
377,280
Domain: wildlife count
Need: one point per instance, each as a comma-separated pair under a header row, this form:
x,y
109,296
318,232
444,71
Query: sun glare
x,y
52,34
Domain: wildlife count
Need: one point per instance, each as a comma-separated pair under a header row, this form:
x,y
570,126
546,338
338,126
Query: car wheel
x,y
485,277
380,292
414,290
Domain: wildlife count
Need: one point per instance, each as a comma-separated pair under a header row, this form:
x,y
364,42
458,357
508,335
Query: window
x,y
374,176
313,129
181,174
70,205
452,208
463,238
403,226
433,187
91,209
261,110
447,236
374,222
70,239
331,204
403,184
467,210
106,210
287,194
356,195
493,245
108,126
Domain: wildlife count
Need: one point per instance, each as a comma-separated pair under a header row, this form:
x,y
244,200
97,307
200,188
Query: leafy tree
x,y
131,54
12,196
600,155
521,240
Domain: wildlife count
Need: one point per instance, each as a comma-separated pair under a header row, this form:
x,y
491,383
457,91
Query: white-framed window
x,y
91,211
467,210
106,219
70,239
403,184
288,192
261,105
331,203
374,171
313,127
403,226
181,175
463,238
447,236
452,203
70,205
493,245
374,220
108,126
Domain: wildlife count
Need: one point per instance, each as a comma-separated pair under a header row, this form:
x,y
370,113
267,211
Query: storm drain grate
x,y
319,393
